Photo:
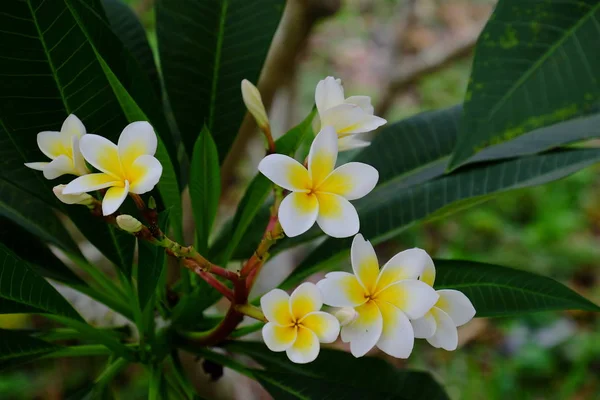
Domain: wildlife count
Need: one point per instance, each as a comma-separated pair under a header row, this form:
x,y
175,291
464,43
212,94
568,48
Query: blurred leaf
x,y
534,66
206,49
17,348
205,187
386,211
337,375
151,261
497,291
20,284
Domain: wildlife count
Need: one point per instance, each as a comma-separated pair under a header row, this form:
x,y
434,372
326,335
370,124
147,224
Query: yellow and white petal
x,y
341,289
72,127
456,305
78,160
102,154
279,338
408,264
298,213
91,182
61,165
324,325
143,174
305,299
137,139
424,327
363,102
285,172
397,337
52,144
329,93
337,217
428,274
364,262
349,119
352,181
446,335
411,296
351,142
322,155
114,197
276,307
306,347
38,166
364,333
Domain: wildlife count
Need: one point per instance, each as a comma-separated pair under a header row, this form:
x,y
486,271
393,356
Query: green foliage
x,y
17,347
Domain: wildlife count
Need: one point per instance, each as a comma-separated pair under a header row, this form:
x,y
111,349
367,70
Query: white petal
x,y
305,299
80,198
337,217
276,307
285,172
322,155
306,347
61,165
91,182
114,197
351,142
72,127
341,289
446,335
456,305
363,102
38,166
352,181
279,338
78,160
364,333
348,119
51,144
137,139
364,262
102,154
298,212
424,327
408,264
144,174
413,297
324,325
397,338
329,93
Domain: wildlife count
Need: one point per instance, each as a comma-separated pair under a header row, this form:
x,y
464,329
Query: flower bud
x,y
346,315
254,103
151,203
81,198
129,224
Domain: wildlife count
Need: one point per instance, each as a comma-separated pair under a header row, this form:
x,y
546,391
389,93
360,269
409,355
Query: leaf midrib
x,y
217,63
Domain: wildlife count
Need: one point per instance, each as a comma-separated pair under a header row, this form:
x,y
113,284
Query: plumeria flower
x,y
296,325
128,167
384,299
79,198
452,310
348,116
320,193
63,149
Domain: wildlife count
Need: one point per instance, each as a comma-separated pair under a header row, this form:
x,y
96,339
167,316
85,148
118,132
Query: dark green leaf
x,y
17,348
386,211
206,49
205,187
151,261
535,65
20,284
497,291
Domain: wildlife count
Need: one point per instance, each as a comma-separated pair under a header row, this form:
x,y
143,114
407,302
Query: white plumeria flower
x,y
296,325
63,149
452,310
128,167
320,193
349,116
79,198
384,300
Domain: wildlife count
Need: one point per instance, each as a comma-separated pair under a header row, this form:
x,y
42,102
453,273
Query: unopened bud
x,y
152,203
254,104
129,224
80,198
346,315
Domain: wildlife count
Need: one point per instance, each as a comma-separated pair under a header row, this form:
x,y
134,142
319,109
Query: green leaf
x,y
17,348
206,49
387,211
337,374
205,187
151,261
20,284
497,291
534,66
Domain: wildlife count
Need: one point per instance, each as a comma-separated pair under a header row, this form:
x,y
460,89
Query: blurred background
x,y
412,56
